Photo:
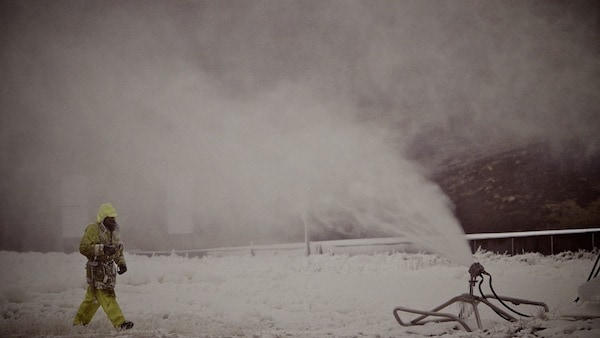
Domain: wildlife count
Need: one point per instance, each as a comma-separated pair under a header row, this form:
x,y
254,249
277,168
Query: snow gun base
x,y
476,271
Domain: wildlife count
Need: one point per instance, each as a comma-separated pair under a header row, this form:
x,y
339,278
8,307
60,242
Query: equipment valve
x,y
476,270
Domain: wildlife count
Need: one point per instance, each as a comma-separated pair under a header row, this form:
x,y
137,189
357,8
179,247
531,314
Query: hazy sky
x,y
267,112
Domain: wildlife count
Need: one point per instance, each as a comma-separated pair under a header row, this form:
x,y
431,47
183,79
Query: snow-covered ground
x,y
287,294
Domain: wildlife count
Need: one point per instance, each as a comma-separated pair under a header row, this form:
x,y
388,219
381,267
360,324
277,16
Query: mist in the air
x,y
244,121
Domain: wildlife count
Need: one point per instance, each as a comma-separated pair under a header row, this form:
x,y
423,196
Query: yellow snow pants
x,y
95,298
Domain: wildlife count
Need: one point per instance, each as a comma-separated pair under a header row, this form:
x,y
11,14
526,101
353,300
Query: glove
x,y
110,249
122,269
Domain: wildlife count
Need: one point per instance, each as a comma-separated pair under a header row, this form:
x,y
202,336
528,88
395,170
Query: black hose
x,y
480,291
503,315
501,302
592,273
596,274
594,269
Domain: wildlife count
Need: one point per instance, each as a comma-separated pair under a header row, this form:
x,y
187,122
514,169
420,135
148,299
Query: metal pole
x,y
551,244
512,244
306,237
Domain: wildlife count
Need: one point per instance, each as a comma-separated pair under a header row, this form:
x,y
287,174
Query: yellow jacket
x,y
92,244
100,268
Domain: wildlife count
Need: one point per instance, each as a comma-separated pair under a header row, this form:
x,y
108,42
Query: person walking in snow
x,y
103,248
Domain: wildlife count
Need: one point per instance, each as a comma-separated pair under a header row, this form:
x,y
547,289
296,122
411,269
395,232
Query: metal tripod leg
x,y
443,317
466,298
519,301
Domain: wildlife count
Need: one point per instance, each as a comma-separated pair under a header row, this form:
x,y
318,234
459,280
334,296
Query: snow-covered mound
x,y
286,295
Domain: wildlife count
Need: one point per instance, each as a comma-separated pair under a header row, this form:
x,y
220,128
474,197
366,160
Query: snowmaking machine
x,y
465,300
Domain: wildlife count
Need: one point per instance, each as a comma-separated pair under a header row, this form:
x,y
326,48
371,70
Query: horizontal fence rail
x,y
545,242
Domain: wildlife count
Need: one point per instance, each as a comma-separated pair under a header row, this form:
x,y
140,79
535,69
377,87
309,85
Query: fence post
x,y
552,244
512,245
306,236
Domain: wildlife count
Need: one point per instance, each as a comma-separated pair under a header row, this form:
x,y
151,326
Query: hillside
x,y
530,188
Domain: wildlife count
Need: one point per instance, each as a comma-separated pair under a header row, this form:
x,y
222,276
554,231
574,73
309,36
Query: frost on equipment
x,y
476,271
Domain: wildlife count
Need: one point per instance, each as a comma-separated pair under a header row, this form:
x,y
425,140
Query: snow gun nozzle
x,y
477,270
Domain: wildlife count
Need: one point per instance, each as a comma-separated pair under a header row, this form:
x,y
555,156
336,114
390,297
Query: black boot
x,y
126,325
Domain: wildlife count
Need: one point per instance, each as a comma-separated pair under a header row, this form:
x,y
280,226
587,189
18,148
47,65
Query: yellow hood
x,y
106,210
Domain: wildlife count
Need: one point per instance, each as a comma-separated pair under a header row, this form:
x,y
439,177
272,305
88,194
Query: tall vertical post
x,y
306,236
512,245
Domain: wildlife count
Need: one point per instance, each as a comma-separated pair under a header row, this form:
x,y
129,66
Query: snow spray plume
x,y
260,167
